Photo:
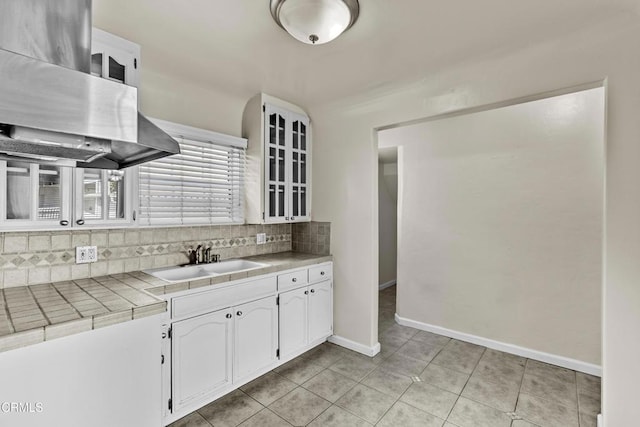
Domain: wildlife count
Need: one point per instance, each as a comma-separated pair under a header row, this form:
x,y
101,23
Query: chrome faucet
x,y
201,255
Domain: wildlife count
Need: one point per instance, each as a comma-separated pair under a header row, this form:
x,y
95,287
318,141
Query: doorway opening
x,y
387,235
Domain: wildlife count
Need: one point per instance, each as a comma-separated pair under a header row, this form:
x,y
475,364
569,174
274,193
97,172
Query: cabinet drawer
x,y
292,280
321,272
203,302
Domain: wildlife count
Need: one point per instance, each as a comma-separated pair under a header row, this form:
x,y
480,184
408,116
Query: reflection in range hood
x,y
51,109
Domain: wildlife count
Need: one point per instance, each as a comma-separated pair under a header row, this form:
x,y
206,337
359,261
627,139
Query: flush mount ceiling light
x,y
315,21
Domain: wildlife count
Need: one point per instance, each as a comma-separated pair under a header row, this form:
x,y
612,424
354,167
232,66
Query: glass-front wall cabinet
x,y
102,197
286,166
34,195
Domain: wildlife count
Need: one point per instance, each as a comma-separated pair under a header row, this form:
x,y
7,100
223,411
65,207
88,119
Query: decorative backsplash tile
x,y
42,257
311,237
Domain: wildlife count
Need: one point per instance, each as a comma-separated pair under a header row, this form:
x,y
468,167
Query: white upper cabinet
x,y
34,196
278,161
114,58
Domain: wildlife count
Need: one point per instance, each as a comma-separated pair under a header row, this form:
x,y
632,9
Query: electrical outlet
x,y
86,254
261,238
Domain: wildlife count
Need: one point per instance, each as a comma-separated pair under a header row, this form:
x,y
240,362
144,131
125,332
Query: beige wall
x,y
501,223
345,177
345,164
388,222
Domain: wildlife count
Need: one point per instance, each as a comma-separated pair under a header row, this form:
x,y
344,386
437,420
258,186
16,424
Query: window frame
x,y
187,134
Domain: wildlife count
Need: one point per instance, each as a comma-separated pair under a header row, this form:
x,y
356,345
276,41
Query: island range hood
x,y
52,110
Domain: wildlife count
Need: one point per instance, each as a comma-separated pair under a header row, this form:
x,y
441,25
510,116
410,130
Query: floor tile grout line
x,y
465,385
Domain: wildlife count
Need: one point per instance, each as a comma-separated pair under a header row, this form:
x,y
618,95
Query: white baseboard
x,y
355,346
565,362
600,421
388,284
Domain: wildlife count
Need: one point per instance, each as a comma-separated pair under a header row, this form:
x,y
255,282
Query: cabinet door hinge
x,y
278,353
263,108
169,332
170,405
135,63
162,359
278,300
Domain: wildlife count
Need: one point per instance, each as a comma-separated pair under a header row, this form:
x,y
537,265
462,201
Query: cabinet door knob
x,y
313,291
64,222
322,273
306,292
294,280
228,315
239,313
80,222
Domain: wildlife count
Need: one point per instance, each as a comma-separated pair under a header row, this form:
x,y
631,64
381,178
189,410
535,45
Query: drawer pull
x,y
322,273
239,313
228,315
313,291
294,280
306,292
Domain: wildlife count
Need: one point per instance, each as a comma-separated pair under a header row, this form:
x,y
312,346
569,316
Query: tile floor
x,y
418,379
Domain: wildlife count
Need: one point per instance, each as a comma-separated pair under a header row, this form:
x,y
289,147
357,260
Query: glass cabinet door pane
x,y
280,130
92,194
96,64
49,193
303,136
281,165
281,196
117,71
272,129
18,190
295,167
115,199
295,134
295,197
303,201
272,164
272,201
303,168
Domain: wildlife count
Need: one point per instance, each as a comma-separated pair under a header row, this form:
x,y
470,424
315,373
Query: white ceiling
x,y
235,46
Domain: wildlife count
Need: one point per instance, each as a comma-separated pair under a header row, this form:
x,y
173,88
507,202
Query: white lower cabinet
x,y
224,337
306,316
201,356
256,337
320,311
294,310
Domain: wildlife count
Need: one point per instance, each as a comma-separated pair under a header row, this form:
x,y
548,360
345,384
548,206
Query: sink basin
x,y
193,272
232,266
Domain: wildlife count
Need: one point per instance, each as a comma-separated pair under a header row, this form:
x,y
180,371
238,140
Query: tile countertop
x,y
36,313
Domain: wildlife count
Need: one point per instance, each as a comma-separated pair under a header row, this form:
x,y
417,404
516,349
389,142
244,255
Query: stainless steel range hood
x,y
51,109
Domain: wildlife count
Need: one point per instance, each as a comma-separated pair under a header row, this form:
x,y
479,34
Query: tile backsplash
x,y
311,237
49,256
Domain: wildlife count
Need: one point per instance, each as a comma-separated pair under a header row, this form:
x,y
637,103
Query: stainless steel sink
x,y
193,272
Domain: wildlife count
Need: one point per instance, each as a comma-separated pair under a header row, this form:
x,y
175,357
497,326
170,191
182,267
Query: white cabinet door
x,y
293,321
299,161
201,353
287,149
256,337
320,310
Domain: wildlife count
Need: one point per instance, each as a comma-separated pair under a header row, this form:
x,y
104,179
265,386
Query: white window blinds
x,y
204,184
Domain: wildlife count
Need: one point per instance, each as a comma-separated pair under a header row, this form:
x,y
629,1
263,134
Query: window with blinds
x,y
204,184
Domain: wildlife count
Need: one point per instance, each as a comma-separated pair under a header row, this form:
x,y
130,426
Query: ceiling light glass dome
x,y
315,21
